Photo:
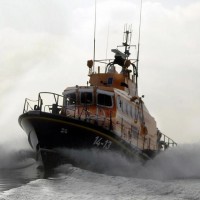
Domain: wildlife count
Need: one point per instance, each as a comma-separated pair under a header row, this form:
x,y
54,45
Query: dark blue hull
x,y
48,132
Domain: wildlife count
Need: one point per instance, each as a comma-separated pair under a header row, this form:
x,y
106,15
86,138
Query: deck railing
x,y
166,142
46,102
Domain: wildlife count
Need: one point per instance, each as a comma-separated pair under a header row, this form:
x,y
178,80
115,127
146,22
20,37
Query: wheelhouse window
x,y
86,98
104,100
70,98
110,81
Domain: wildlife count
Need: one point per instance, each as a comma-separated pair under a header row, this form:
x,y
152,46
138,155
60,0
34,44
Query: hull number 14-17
x,y
100,142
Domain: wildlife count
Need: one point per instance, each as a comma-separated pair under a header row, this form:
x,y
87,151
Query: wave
x,y
15,158
181,162
106,162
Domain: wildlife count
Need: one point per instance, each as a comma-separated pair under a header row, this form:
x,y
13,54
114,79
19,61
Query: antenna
x,y
94,36
127,40
107,42
138,52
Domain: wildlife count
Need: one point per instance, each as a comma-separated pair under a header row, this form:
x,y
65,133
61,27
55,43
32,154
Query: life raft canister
x,y
90,63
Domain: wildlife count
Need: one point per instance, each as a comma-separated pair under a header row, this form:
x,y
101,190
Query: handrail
x,y
38,104
165,142
27,105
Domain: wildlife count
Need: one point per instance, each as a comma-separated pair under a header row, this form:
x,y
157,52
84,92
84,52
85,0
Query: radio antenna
x,y
94,36
107,42
138,52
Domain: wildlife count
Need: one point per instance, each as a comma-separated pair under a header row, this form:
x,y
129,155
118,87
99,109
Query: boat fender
x,y
143,130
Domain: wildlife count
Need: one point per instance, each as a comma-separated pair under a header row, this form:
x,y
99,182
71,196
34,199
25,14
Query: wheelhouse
x,y
90,96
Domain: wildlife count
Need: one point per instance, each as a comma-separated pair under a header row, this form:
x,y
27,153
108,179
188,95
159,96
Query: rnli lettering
x,y
64,130
100,142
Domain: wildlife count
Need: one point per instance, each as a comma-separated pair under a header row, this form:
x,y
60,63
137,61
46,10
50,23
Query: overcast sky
x,y
45,44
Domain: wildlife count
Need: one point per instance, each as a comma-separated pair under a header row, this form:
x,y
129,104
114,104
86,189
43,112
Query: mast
x,y
138,52
127,40
94,38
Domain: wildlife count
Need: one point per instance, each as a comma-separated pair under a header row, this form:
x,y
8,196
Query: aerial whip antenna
x,y
107,42
138,52
94,36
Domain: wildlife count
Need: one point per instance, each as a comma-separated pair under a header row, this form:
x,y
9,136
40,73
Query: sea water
x,y
174,174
